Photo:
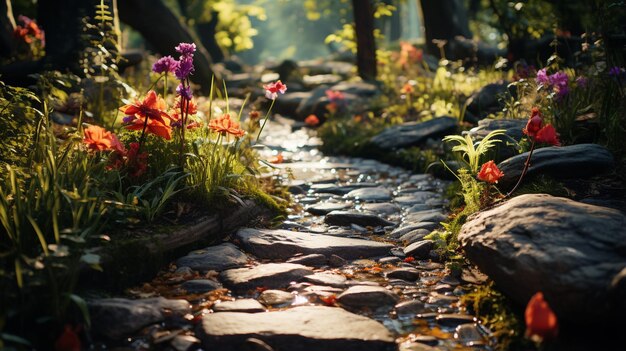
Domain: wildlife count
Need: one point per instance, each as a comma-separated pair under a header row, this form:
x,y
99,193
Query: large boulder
x,y
572,252
574,161
487,100
303,328
413,133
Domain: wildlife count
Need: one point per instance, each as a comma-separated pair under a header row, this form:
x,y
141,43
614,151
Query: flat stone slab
x,y
418,197
200,286
307,328
372,297
283,244
311,260
325,208
241,305
276,298
374,194
420,249
413,133
574,253
329,279
214,258
346,218
574,161
269,275
385,208
116,318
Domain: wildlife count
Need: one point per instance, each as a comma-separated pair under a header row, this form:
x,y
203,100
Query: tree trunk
x,y
7,26
366,46
444,20
206,32
164,31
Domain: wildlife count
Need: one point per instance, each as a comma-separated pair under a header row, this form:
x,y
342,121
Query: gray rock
x,y
184,342
374,194
276,298
407,228
332,188
198,286
269,275
329,279
420,249
410,274
426,216
289,102
389,260
337,261
409,308
568,250
362,89
282,244
312,260
384,208
116,318
307,328
327,207
241,305
468,334
413,133
346,218
574,161
414,235
373,297
513,128
454,320
216,258
486,100
418,197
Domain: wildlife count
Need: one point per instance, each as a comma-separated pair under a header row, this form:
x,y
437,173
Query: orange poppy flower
x,y
152,107
490,173
407,89
277,159
225,125
99,139
312,120
541,322
162,129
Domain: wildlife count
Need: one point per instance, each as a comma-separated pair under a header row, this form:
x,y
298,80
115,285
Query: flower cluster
x,y
272,89
99,139
225,125
149,115
185,63
166,64
538,132
29,31
408,55
557,81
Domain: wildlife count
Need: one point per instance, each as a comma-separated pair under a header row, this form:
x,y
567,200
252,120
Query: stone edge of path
x,y
151,251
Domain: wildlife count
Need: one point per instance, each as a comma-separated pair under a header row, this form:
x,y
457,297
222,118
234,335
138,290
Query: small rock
x,y
414,235
184,342
420,249
336,261
241,305
276,298
373,297
329,279
410,274
327,207
385,208
389,260
409,308
419,197
413,133
312,260
426,340
199,286
346,218
214,258
468,334
375,194
454,320
269,275
426,216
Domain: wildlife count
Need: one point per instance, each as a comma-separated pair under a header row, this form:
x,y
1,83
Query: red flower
x,y
277,159
226,125
152,107
272,89
137,163
541,322
547,135
254,115
99,139
164,130
334,95
330,300
407,89
68,340
489,172
409,259
30,31
312,120
535,122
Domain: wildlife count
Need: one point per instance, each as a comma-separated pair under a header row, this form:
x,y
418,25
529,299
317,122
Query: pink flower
x,y
272,89
559,81
165,64
542,77
334,95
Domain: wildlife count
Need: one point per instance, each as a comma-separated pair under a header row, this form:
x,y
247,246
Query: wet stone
x,y
329,279
282,244
414,198
443,288
450,280
454,320
312,260
346,218
372,297
313,328
276,298
241,305
199,286
420,249
376,194
184,342
389,260
385,208
407,228
409,308
468,334
418,208
214,258
270,275
426,340
410,274
441,300
414,236
337,261
327,207
426,216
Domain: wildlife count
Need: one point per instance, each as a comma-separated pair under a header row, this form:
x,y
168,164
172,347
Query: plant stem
x,y
267,115
526,166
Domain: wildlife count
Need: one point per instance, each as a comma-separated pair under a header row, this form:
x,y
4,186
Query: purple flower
x,y
582,81
128,119
186,49
164,65
185,67
615,71
542,77
184,92
559,82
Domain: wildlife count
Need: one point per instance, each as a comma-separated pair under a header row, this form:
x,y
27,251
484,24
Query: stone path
x,y
349,269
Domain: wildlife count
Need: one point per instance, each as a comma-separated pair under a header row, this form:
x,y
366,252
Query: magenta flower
x,y
185,92
582,81
559,82
165,64
186,49
185,67
272,89
615,71
542,77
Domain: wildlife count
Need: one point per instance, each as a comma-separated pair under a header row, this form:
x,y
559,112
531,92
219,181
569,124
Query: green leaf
x,y
82,306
